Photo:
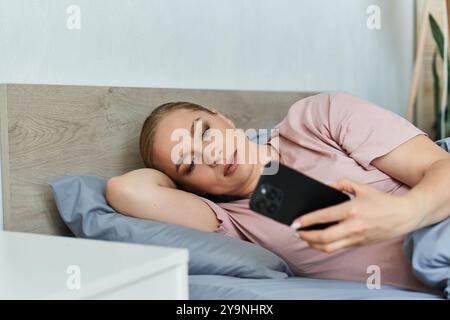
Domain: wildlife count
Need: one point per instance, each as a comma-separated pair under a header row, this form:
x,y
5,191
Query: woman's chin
x,y
247,172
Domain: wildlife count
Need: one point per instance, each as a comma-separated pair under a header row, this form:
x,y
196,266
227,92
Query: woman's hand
x,y
370,216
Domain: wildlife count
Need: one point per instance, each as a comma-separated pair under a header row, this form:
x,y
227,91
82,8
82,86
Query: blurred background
x,y
364,47
294,45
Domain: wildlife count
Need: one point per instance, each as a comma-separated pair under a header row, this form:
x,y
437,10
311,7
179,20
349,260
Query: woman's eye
x,y
205,133
191,167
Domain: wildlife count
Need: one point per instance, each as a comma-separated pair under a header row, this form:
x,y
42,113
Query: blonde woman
x,y
398,177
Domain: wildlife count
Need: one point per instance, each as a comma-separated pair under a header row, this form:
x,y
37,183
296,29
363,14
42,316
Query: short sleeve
x,y
364,130
226,227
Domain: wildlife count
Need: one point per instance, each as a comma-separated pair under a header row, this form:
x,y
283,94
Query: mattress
x,y
215,287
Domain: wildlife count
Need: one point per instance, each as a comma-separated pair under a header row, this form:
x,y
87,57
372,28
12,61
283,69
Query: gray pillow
x,y
82,205
444,144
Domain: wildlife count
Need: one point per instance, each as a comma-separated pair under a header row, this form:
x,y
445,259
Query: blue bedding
x,y
205,287
427,248
224,268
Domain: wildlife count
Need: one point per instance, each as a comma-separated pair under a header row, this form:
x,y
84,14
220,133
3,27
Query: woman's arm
x,y
425,167
373,216
150,194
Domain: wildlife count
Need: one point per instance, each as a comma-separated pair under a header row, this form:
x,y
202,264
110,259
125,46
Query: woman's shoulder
x,y
324,109
324,97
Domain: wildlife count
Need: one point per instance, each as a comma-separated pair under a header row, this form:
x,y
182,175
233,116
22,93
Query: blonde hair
x,y
147,136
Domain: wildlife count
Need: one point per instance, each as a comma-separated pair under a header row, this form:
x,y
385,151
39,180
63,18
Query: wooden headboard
x,y
48,131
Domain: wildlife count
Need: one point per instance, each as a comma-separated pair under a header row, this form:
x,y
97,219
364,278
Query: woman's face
x,y
205,159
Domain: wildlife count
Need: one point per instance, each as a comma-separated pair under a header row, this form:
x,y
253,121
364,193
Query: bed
x,y
47,131
205,287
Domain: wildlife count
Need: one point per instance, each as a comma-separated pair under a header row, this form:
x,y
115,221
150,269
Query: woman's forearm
x,y
429,200
150,194
149,176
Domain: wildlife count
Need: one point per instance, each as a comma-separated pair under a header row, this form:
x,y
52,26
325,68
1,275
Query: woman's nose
x,y
213,159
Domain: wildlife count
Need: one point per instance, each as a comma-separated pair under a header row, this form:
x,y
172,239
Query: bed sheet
x,y
215,287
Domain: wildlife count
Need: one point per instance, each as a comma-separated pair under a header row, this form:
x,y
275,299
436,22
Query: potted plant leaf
x,y
439,39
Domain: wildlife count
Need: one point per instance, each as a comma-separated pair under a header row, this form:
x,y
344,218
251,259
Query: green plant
x,y
439,39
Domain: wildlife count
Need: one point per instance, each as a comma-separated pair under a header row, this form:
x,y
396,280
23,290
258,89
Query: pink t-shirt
x,y
331,136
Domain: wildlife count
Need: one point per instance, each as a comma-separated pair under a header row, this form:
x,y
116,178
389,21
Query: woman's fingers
x,y
345,229
337,245
329,214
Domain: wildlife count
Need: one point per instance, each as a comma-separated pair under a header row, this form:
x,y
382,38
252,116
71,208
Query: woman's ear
x,y
227,120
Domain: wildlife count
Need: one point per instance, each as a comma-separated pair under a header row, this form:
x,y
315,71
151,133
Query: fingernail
x,y
295,225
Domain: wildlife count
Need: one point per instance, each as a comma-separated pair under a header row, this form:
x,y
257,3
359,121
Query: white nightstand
x,y
49,267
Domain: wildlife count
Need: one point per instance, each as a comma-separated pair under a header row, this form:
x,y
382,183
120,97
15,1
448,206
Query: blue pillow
x,y
444,144
82,205
428,249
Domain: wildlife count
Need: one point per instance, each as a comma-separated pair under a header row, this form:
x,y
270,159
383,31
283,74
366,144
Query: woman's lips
x,y
231,168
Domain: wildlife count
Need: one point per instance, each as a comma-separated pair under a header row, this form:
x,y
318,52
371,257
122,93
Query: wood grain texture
x,y
4,151
425,96
422,25
49,131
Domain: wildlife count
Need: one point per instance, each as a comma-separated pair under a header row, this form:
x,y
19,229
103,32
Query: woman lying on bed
x,y
400,180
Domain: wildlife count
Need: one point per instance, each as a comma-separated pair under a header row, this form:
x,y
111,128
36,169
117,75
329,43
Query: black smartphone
x,y
288,194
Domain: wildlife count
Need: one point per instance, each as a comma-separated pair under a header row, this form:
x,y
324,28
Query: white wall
x,y
233,44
